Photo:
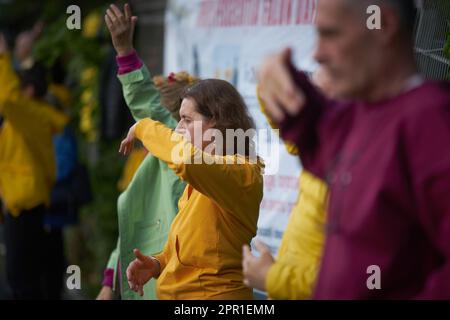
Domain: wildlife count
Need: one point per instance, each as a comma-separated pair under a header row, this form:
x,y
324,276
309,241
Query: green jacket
x,y
149,204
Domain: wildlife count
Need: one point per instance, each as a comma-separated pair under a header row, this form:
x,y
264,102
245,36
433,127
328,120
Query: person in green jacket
x,y
150,202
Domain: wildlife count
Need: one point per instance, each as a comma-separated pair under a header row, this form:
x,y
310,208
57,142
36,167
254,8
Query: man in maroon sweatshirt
x,y
384,151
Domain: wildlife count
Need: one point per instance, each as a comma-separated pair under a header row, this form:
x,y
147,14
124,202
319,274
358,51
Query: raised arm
x,y
293,103
140,93
222,178
25,114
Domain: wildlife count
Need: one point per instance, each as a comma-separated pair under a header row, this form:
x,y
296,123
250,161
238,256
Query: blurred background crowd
x,y
83,72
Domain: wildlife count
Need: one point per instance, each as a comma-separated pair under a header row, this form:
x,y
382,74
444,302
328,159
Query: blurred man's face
x,y
345,47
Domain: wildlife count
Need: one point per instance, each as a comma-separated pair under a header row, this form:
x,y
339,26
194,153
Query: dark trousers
x,y
54,263
34,256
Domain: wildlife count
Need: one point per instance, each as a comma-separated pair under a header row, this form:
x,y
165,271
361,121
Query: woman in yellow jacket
x,y
27,172
218,211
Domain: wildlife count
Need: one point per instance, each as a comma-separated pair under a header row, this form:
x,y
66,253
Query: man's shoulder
x,y
427,107
431,97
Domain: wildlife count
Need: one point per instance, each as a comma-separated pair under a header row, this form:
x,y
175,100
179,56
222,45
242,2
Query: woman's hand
x,y
105,294
255,269
127,144
121,27
140,271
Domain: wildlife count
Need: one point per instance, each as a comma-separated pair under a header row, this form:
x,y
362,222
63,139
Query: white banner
x,y
228,39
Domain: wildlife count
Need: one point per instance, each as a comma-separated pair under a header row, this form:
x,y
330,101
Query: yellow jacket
x,y
27,160
218,213
294,273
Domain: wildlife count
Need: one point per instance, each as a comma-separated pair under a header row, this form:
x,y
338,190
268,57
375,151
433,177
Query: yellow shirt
x,y
27,160
293,275
218,214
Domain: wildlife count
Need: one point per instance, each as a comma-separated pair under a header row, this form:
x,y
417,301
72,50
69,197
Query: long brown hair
x,y
218,100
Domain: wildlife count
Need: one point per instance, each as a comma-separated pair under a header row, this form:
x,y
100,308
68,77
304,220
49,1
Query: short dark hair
x,y
35,76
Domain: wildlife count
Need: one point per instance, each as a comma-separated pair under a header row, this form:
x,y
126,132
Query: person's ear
x,y
211,123
390,25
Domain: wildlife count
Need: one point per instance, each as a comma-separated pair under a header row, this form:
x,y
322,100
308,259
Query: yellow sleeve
x,y
24,113
293,275
291,282
211,175
9,83
290,147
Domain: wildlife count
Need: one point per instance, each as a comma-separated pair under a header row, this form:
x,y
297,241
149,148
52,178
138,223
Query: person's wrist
x,y
124,51
158,265
108,277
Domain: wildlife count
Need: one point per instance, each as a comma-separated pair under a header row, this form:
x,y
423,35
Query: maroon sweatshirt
x,y
387,165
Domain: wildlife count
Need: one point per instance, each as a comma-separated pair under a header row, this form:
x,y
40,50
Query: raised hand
x,y
277,88
127,144
141,270
26,40
121,27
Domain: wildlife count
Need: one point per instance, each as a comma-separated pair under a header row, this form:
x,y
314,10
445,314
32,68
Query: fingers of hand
x,y
247,258
117,12
138,254
261,247
122,146
111,15
108,22
127,10
278,88
134,20
125,146
272,108
117,21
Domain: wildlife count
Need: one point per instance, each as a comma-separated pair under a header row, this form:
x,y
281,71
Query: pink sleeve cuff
x,y
128,63
108,277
